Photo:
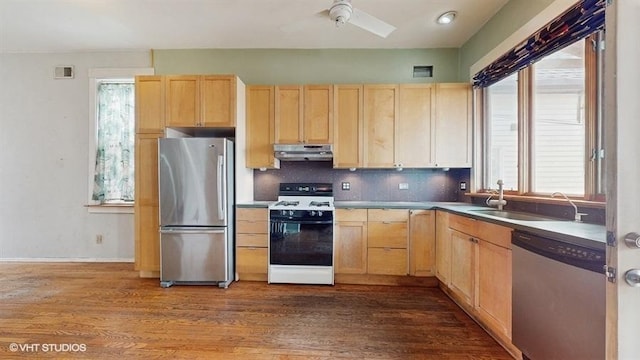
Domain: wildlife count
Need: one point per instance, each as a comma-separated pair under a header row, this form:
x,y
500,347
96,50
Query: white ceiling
x,y
85,25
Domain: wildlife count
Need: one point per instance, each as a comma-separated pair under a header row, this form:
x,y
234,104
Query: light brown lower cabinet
x,y
479,254
252,243
422,246
351,241
387,241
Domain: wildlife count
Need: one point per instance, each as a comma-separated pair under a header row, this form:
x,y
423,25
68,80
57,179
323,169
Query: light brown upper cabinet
x,y
413,126
380,114
397,125
200,101
149,104
261,127
304,114
348,126
451,139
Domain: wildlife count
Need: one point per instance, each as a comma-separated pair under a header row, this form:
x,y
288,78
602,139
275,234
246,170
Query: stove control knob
x,y
290,212
313,213
319,213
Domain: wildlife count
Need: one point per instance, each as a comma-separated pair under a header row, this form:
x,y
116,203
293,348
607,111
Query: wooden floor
x,y
50,310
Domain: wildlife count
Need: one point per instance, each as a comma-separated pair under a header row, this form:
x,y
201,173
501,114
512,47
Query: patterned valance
x,y
578,22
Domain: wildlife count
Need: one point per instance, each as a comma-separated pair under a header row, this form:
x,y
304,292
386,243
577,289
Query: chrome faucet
x,y
578,215
501,202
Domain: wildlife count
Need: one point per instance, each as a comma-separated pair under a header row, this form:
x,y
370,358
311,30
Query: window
x,y
541,126
558,122
114,166
502,133
112,138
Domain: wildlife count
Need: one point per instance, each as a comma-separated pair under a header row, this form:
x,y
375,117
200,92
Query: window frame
x,y
96,76
593,165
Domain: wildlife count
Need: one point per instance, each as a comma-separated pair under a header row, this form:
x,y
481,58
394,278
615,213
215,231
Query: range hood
x,y
303,152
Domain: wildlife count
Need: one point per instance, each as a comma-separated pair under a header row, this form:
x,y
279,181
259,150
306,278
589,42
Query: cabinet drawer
x,y
251,227
463,224
255,240
252,214
351,214
251,260
386,261
495,234
391,235
388,215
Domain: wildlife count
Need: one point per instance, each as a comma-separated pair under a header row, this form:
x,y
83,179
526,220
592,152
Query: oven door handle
x,y
302,222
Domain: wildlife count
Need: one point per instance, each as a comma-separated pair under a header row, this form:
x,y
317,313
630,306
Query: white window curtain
x,y
114,167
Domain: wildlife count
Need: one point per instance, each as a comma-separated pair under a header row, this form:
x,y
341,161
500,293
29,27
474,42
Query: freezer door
x,y
193,181
199,255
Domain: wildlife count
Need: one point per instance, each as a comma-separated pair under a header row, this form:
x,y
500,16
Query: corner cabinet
x,y
451,137
200,101
261,127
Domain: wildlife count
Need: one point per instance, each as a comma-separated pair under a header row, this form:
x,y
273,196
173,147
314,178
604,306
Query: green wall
x,y
512,16
311,66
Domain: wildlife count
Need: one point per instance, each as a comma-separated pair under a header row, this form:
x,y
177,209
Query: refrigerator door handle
x,y
181,230
222,203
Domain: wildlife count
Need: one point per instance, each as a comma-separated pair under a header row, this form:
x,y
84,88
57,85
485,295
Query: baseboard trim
x,y
61,260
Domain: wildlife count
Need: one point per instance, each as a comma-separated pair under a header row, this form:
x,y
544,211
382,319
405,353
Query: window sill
x,y
110,209
544,200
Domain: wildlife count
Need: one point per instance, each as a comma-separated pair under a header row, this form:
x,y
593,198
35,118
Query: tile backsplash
x,y
366,184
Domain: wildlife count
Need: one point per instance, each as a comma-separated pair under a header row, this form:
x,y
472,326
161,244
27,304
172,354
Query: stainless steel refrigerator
x,y
196,211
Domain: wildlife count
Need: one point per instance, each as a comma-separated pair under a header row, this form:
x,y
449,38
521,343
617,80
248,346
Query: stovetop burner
x,y
320,204
287,203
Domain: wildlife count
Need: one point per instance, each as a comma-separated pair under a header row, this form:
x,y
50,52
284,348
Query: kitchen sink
x,y
514,215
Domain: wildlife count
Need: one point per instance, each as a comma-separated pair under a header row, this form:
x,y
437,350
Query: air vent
x,y
423,71
63,72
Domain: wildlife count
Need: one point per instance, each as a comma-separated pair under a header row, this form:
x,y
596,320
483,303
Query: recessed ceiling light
x,y
447,17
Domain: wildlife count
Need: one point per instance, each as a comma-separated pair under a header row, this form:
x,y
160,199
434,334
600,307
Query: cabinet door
x,y
288,115
451,136
462,265
351,247
182,101
218,101
422,242
494,286
413,126
443,247
348,126
149,104
318,114
260,127
380,113
147,237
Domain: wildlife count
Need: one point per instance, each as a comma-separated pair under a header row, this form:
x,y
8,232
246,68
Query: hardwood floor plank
x,y
115,314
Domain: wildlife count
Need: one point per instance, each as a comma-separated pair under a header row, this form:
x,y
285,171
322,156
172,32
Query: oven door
x,y
301,242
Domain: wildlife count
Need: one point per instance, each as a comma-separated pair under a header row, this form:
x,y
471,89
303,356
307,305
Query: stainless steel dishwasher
x,y
558,299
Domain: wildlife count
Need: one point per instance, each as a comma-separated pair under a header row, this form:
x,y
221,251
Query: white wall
x,y
44,160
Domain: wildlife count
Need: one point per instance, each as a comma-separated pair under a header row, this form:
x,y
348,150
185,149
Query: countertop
x,y
589,235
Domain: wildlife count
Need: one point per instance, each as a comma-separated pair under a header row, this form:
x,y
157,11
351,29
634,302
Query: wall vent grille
x,y
423,71
63,72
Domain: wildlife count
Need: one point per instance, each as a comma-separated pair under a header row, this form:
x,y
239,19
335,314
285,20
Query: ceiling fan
x,y
342,12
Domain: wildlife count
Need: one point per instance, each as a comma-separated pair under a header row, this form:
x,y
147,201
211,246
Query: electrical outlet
x,y
346,186
403,186
463,185
99,239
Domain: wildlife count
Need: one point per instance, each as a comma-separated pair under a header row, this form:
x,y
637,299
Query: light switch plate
x,y
463,185
403,186
346,186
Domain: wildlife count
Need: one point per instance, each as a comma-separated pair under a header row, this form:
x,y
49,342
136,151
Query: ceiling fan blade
x,y
371,23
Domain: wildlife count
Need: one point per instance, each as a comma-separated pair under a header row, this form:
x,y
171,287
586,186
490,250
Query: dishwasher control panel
x,y
576,255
